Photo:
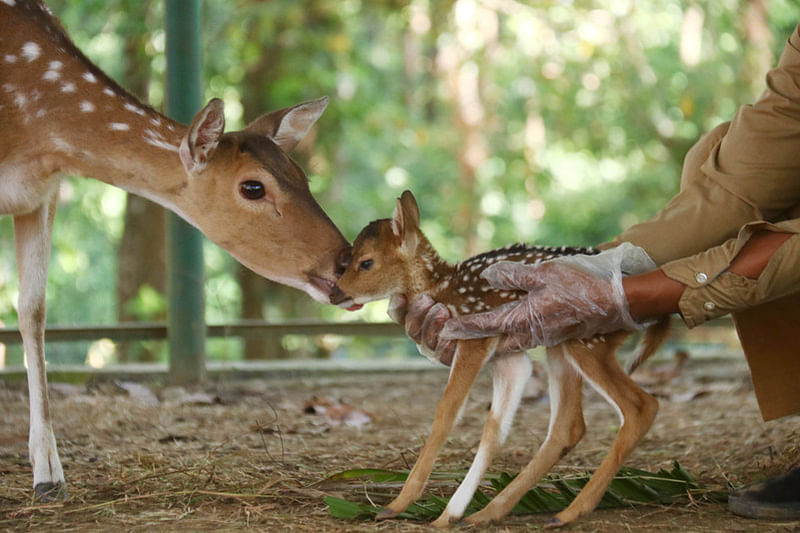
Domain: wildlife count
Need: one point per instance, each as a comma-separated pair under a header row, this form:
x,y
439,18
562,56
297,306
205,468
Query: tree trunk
x,y
142,247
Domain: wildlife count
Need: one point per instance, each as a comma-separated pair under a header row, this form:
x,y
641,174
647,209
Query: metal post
x,y
185,278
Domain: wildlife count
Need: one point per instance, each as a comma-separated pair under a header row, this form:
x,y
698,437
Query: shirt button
x,y
701,277
709,306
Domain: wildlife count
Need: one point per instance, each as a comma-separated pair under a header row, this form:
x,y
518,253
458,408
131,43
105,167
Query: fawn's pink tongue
x,y
355,307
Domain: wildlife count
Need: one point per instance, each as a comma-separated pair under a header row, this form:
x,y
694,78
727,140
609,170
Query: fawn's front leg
x,y
510,373
469,359
32,236
565,430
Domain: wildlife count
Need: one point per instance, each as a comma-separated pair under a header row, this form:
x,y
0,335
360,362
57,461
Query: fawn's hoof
x,y
554,523
444,522
49,492
386,514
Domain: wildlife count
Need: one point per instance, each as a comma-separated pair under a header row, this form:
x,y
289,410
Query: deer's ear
x,y
405,220
288,126
410,208
203,136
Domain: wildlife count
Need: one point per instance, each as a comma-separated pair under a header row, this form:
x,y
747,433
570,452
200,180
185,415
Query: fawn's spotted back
x,y
465,291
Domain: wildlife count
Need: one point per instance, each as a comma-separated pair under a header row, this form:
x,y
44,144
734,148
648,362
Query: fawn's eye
x,y
366,264
252,189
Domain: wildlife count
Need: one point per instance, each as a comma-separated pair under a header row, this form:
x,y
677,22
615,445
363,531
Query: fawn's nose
x,y
343,260
337,296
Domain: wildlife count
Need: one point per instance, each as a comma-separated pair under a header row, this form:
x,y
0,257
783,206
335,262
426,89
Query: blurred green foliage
x,y
558,122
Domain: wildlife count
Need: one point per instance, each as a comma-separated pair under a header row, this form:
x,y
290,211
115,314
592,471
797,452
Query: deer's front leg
x,y
469,358
565,430
510,373
32,234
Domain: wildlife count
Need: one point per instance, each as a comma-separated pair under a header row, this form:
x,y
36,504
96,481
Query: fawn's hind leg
x,y
637,409
510,373
469,359
565,430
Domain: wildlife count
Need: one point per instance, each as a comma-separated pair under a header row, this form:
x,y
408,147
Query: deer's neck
x,y
66,115
427,271
126,144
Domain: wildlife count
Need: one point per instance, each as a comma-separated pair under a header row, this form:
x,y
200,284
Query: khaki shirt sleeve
x,y
712,291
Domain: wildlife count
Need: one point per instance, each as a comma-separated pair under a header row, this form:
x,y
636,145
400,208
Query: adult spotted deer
x,y
59,114
392,256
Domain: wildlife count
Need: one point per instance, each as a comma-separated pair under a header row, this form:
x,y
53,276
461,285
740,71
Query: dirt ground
x,y
244,454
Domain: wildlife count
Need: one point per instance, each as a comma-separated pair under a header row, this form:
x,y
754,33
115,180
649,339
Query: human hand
x,y
570,297
423,320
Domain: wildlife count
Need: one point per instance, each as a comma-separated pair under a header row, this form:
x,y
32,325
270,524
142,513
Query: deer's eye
x,y
252,189
366,264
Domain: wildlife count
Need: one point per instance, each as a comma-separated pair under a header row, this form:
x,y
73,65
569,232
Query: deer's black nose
x,y
337,296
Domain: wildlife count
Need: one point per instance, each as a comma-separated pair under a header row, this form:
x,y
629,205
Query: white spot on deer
x,y
11,58
465,309
51,75
108,92
41,113
118,126
154,138
134,109
155,121
68,87
31,51
465,278
55,65
87,106
160,143
462,290
60,143
472,299
20,100
88,76
9,87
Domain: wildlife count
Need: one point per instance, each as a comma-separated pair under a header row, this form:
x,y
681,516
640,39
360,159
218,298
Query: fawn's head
x,y
381,257
248,196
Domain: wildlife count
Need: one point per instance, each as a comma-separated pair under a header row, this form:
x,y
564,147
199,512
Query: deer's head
x,y
381,257
249,197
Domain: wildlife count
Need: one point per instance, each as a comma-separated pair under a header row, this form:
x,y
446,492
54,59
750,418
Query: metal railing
x,y
132,331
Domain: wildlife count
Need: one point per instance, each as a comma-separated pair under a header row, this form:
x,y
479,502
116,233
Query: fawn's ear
x,y
203,136
405,220
288,126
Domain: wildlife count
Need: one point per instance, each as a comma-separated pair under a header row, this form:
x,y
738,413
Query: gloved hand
x,y
571,297
423,320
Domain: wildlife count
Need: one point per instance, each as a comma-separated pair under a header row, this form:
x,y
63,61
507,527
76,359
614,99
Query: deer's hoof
x,y
49,492
444,522
554,523
386,514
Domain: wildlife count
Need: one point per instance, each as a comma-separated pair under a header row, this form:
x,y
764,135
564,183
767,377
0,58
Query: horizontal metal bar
x,y
130,331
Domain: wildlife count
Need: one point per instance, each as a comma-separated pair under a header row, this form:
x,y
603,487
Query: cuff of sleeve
x,y
728,292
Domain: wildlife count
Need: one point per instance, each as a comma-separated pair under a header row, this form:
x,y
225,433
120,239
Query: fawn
x,y
392,256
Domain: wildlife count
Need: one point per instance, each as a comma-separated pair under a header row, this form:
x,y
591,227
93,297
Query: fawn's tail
x,y
653,338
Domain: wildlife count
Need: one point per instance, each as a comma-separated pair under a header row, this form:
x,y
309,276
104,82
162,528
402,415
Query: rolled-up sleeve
x,y
712,290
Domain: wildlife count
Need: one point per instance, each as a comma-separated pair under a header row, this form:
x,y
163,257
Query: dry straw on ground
x,y
244,454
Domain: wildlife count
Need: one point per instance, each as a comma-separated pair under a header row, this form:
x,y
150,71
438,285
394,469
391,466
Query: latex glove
x,y
572,297
423,320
